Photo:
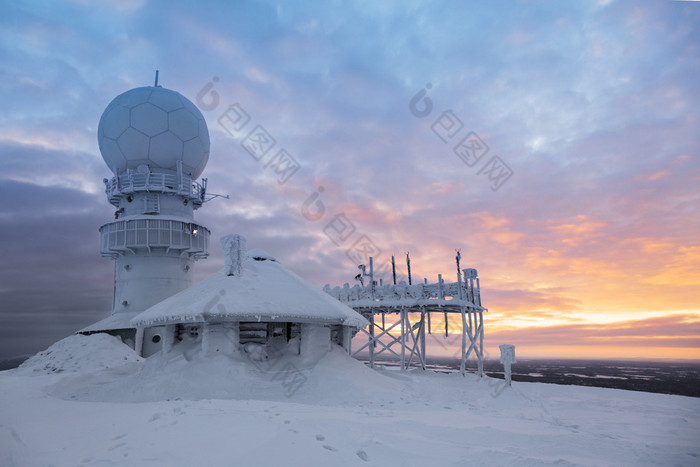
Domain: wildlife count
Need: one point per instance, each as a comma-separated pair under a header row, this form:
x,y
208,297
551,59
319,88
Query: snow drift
x,y
88,400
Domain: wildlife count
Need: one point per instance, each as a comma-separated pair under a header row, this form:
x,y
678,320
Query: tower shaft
x,y
153,239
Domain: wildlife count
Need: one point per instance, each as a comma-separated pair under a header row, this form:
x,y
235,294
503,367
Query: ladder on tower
x,y
151,204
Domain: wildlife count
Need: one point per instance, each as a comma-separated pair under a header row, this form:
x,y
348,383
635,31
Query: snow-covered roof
x,y
264,291
114,322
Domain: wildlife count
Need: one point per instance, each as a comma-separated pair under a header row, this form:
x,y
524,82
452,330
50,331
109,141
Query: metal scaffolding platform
x,y
400,315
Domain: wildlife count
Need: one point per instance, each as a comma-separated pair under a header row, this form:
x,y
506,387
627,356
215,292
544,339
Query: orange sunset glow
x,y
576,289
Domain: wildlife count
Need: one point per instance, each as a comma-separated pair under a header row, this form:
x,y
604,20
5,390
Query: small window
x,y
156,339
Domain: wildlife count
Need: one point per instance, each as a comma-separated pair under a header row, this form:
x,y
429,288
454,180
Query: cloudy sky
x,y
556,144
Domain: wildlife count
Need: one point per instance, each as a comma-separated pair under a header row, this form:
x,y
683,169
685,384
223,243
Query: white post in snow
x,y
234,247
138,345
507,358
168,338
347,339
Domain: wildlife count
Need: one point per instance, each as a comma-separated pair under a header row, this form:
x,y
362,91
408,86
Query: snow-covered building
x,y
253,305
156,143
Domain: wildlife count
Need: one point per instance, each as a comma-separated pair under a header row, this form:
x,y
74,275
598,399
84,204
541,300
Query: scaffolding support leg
x,y
463,362
371,341
403,339
422,338
481,343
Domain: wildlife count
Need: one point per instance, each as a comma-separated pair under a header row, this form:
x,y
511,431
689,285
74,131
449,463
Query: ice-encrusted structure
x,y
156,143
406,310
254,301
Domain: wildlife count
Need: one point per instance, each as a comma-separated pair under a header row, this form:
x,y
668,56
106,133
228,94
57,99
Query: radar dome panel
x,y
163,147
204,136
150,125
192,149
165,100
112,154
184,124
117,123
149,119
134,145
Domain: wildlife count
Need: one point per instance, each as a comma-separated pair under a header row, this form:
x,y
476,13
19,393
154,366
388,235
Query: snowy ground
x,y
92,401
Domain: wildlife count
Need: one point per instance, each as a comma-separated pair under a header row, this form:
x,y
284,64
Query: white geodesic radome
x,y
156,127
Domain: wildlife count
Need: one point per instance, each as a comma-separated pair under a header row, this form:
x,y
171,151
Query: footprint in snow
x,y
330,448
320,437
362,455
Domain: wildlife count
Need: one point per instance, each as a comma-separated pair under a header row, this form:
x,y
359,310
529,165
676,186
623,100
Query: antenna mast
x,y
408,265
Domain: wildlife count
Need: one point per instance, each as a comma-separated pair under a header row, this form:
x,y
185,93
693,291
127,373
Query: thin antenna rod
x,y
408,265
393,269
459,273
156,83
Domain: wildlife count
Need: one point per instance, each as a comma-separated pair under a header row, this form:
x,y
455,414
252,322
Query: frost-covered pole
x,y
481,343
478,292
408,266
372,342
393,268
234,247
463,362
403,338
442,296
459,274
422,337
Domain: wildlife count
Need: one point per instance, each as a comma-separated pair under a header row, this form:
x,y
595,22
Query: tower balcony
x,y
130,182
149,235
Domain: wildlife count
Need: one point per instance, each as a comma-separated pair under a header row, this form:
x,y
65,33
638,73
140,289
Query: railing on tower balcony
x,y
131,182
129,235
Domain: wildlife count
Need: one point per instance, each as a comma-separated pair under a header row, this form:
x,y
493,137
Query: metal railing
x,y
402,292
118,237
131,182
